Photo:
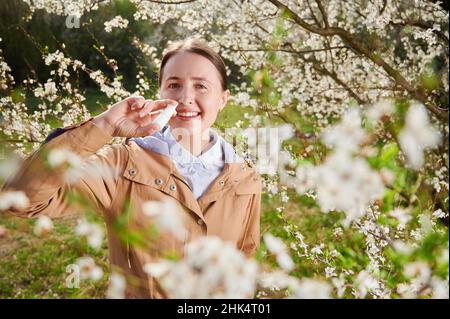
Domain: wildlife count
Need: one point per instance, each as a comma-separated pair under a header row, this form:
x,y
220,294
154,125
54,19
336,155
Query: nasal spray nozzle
x,y
165,115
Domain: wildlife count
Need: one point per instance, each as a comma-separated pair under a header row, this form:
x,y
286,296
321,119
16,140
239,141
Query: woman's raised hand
x,y
132,117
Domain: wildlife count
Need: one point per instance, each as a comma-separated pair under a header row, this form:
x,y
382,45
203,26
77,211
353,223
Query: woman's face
x,y
194,82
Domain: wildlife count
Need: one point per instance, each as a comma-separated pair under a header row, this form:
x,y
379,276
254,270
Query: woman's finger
x,y
136,102
148,106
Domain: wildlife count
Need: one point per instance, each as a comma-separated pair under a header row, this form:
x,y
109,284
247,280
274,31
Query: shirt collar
x,y
212,157
164,143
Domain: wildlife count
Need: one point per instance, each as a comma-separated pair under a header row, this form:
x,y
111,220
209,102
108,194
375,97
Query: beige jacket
x,y
127,174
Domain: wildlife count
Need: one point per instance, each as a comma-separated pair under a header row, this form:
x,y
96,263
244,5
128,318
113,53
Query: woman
x,y
217,192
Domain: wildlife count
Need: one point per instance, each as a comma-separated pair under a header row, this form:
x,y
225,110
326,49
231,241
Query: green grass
x,y
35,267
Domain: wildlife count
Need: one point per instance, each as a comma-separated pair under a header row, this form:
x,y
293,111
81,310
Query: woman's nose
x,y
187,97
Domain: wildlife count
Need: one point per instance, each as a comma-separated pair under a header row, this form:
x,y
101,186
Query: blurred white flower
x,y
440,288
9,167
277,247
348,134
117,286
59,156
277,280
158,269
43,225
419,273
365,282
401,247
93,233
210,268
417,135
305,178
380,109
348,184
312,289
285,132
402,215
406,291
168,216
13,199
339,283
88,269
419,270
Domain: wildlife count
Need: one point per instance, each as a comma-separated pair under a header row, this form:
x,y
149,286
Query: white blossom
x,y
13,199
348,134
92,232
210,268
417,135
276,246
88,268
116,22
366,282
117,286
167,215
402,215
43,225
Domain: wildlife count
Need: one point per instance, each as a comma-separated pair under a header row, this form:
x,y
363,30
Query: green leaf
x,y
388,200
389,155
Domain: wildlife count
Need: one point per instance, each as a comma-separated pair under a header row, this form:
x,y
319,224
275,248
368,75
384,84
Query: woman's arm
x,y
46,187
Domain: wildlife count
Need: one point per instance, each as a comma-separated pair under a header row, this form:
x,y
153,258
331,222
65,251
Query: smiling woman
x,y
194,75
159,174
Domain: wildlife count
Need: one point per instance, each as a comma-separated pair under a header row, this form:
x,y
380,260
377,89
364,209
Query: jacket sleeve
x,y
47,188
251,240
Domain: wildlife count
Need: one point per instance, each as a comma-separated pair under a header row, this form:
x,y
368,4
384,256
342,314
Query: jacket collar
x,y
145,166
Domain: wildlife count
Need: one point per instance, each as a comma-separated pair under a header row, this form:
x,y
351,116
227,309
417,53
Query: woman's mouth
x,y
187,116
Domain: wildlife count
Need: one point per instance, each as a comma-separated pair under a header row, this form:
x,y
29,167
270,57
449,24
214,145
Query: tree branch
x,y
417,93
324,14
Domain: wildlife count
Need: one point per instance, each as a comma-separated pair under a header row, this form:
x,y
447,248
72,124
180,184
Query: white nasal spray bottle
x,y
165,115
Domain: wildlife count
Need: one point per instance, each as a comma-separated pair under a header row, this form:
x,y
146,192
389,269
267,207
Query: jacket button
x,y
158,181
173,187
200,221
222,183
132,172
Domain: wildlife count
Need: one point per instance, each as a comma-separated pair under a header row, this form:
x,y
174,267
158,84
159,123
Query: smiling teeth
x,y
188,114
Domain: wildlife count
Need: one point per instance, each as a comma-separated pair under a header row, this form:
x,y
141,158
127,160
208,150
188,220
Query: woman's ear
x,y
224,99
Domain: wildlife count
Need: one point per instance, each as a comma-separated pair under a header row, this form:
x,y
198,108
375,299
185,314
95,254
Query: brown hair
x,y
197,46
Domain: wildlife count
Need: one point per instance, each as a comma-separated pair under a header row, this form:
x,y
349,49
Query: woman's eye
x,y
173,85
201,86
